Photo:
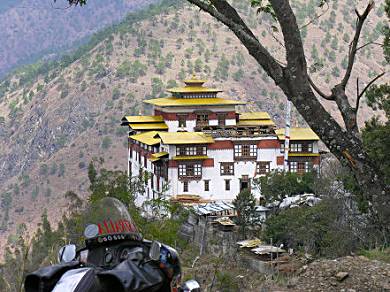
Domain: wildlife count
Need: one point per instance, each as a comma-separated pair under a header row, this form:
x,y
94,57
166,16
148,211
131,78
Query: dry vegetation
x,y
53,124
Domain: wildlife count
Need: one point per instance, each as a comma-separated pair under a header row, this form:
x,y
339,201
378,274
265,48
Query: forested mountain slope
x,y
55,117
33,28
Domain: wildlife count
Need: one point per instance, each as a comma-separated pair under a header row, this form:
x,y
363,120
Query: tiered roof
x,y
298,134
193,94
172,138
144,123
255,119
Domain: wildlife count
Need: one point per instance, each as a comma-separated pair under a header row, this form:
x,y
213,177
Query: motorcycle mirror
x,y
190,286
154,251
67,253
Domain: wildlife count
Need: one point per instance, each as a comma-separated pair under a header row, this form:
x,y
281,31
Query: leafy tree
x,y
279,185
294,80
245,204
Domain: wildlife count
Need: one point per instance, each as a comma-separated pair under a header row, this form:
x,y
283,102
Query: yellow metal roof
x,y
157,156
302,154
298,134
193,89
147,138
185,138
172,101
148,126
199,157
142,119
255,116
256,123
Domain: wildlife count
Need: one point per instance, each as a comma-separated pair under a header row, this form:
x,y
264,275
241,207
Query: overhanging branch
x,y
225,13
353,46
359,95
316,89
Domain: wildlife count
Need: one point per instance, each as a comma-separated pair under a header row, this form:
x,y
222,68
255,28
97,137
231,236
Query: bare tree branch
x,y
316,17
222,11
359,95
352,48
316,89
369,43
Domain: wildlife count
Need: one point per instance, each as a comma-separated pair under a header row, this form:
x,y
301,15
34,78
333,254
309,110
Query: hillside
x,y
36,28
55,117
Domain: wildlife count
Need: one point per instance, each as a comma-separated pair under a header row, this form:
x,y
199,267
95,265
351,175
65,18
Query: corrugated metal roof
x,y
148,126
256,123
199,157
172,101
255,116
142,119
157,156
303,154
298,134
185,138
147,138
193,89
213,207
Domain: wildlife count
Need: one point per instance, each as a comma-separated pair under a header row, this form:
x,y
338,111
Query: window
x,y
221,119
206,185
145,162
281,147
245,151
293,166
182,120
227,184
185,186
262,167
151,181
131,152
190,170
191,150
310,147
296,147
308,166
227,168
202,119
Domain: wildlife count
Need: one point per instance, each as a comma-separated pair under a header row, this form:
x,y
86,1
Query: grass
x,y
380,254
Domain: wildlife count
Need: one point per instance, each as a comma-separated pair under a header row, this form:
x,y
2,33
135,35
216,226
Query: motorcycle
x,y
115,258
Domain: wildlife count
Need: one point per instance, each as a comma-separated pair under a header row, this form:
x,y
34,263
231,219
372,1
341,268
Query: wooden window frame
x,y
191,150
221,120
227,184
245,151
185,186
206,185
263,167
190,170
182,120
227,168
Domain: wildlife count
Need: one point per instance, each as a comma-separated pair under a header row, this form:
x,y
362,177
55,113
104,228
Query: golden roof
x,y
156,156
172,101
147,138
298,134
255,116
302,154
199,157
194,85
256,123
185,138
148,126
142,119
193,89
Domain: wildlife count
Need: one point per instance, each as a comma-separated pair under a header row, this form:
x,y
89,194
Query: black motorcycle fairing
x,y
46,278
130,276
108,256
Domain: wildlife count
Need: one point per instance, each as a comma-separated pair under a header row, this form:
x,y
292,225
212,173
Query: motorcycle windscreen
x,y
107,217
